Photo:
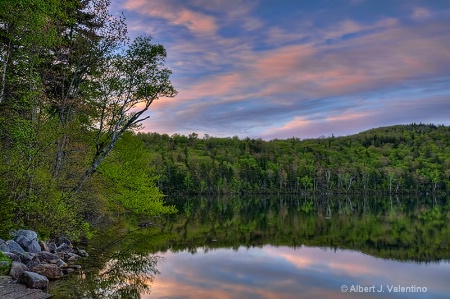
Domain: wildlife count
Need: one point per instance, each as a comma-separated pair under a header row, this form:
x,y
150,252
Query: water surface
x,y
285,272
274,247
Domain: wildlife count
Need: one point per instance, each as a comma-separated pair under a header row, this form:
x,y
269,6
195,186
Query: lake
x,y
273,247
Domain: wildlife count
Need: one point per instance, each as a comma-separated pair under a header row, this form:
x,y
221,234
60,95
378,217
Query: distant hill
x,y
411,158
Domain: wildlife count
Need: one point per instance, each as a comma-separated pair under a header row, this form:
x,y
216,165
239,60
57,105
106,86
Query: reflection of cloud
x,y
283,272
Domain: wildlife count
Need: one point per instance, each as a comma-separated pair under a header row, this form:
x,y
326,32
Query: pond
x,y
274,247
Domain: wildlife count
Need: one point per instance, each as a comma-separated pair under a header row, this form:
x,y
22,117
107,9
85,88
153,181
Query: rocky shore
x,y
33,263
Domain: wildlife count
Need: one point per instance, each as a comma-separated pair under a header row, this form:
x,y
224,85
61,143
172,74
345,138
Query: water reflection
x,y
120,268
273,247
284,272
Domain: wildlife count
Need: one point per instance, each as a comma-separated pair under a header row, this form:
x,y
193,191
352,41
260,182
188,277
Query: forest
x,y
74,90
72,85
401,159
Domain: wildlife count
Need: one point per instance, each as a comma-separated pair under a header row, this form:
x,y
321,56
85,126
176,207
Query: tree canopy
x,y
71,84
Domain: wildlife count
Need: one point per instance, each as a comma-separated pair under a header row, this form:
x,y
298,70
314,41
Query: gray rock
x,y
67,270
25,257
51,271
34,280
63,240
73,257
17,269
33,263
29,234
83,253
60,263
11,246
30,245
47,257
64,248
52,247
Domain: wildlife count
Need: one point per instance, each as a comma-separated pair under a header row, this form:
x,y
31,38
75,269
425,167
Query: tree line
x,y
398,159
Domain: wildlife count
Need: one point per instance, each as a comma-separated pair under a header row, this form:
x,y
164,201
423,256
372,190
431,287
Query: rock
x,y
82,252
24,257
14,257
33,263
10,246
34,280
60,263
63,240
47,257
75,267
67,270
73,257
44,246
30,245
64,248
29,234
51,271
52,247
17,269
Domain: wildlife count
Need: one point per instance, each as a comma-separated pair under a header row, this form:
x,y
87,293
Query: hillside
x,y
411,158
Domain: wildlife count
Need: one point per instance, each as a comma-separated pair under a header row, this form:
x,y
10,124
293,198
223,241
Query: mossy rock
x,y
5,264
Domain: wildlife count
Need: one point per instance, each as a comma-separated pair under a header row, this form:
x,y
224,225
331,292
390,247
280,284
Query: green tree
x,y
130,186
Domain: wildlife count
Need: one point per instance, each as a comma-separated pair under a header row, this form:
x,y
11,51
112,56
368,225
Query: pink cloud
x,y
194,21
420,13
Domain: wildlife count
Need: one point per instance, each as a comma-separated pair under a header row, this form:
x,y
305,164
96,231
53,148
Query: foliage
x,y
130,186
67,95
5,264
403,159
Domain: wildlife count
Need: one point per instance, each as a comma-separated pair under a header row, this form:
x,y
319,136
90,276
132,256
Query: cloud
x,y
239,73
420,13
175,14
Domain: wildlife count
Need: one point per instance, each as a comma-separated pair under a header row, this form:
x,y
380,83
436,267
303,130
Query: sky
x,y
276,69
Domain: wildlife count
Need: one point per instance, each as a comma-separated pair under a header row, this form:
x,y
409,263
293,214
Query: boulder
x,y
73,257
47,257
11,246
64,248
51,271
28,240
32,263
17,269
67,270
82,252
64,240
29,234
34,280
44,246
62,264
52,247
24,257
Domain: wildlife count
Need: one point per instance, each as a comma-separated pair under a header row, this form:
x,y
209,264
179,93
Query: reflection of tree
x,y
126,275
123,268
407,228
